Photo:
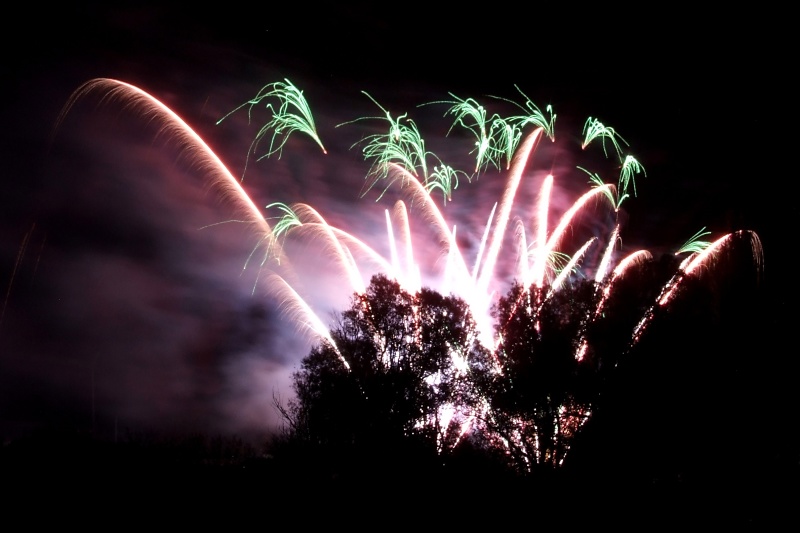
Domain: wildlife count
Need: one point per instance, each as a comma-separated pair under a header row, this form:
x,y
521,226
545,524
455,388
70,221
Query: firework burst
x,y
547,258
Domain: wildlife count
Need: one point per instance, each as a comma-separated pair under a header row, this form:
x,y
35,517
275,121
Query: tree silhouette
x,y
406,381
534,397
555,353
396,383
406,376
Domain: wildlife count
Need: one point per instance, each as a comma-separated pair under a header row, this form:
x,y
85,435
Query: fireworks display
x,y
525,237
401,161
193,198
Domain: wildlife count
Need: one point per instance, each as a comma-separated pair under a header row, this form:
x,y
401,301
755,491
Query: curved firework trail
x,y
636,258
301,313
341,254
412,269
176,128
515,175
410,281
542,255
420,196
692,265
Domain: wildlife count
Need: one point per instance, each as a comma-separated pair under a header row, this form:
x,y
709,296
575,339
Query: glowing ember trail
x,y
691,265
176,129
542,256
300,312
636,258
506,203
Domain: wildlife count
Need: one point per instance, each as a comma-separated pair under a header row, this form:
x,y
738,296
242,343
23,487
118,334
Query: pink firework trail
x,y
176,129
693,265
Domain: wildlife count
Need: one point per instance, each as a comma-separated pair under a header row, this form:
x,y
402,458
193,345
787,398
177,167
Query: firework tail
x,y
174,127
694,264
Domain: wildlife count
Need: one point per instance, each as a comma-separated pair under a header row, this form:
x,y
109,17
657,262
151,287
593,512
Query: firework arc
x,y
699,260
515,176
193,146
543,266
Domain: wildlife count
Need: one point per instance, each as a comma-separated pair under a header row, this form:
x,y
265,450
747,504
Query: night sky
x,y
128,300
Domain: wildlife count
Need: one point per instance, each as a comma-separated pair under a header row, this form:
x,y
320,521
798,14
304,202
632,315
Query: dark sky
x,y
127,305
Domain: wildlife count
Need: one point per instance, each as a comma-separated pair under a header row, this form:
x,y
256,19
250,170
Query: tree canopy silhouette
x,y
396,381
406,379
406,375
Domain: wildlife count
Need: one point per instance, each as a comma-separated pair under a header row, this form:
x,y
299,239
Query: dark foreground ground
x,y
72,479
